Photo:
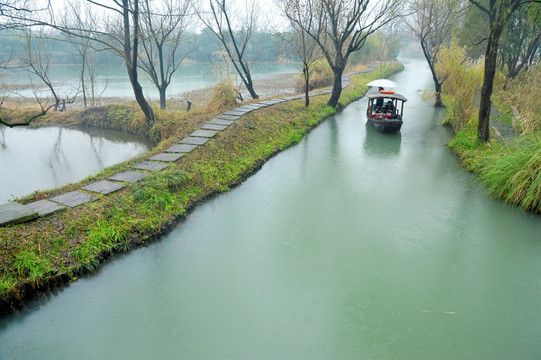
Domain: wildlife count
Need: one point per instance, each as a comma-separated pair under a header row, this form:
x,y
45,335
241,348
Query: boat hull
x,y
385,126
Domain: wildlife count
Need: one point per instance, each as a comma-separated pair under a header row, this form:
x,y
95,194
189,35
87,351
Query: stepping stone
x,y
166,157
15,213
204,133
150,166
45,207
237,112
193,140
181,148
103,187
252,106
74,198
221,122
129,176
215,127
228,117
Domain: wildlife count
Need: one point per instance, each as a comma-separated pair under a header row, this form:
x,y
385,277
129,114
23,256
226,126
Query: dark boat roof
x,y
377,95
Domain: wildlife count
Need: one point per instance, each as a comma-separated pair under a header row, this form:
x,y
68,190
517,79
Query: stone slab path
x,y
15,213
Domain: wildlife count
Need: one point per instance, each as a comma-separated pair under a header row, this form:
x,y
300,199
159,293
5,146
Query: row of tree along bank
x,y
509,164
48,251
484,53
152,38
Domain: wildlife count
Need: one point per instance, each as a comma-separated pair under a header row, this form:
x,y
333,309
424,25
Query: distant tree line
x,y
153,38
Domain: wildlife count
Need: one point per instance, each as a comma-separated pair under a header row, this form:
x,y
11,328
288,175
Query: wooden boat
x,y
385,109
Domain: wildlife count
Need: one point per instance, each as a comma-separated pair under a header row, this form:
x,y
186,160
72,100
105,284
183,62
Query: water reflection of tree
x,y
3,144
57,157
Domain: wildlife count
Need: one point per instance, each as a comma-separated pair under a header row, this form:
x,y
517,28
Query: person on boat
x,y
389,108
379,101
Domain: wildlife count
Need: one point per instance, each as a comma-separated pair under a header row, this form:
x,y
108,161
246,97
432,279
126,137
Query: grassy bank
x,y
43,253
509,170
509,165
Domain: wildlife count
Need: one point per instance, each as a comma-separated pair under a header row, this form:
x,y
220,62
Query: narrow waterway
x,y
350,245
33,159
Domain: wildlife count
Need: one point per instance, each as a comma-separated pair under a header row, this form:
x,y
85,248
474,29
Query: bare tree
x,y
80,17
118,31
432,22
302,44
234,31
163,30
499,12
343,27
36,59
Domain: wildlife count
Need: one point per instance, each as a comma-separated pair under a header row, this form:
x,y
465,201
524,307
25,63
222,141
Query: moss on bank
x,y
50,251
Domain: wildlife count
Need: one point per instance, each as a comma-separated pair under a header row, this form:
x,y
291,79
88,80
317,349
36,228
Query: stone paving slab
x,y
204,133
73,198
15,213
45,207
150,166
238,112
128,176
103,187
193,140
215,127
221,122
252,106
166,157
228,117
181,148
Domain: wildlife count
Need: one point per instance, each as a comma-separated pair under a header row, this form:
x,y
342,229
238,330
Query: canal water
x,y
350,245
33,159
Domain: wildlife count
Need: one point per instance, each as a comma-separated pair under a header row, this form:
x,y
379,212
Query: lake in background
x,y
114,82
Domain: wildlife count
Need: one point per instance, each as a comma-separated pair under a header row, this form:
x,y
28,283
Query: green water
x,y
33,159
350,245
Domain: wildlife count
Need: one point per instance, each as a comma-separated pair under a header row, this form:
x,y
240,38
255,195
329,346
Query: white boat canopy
x,y
384,83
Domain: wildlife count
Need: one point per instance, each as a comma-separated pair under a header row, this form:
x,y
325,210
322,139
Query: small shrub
x,y
321,75
223,95
523,94
462,84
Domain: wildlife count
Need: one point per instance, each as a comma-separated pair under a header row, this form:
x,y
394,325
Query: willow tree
x,y
234,28
342,28
298,40
163,31
432,22
499,12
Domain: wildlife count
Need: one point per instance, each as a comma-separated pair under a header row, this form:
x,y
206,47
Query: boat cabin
x,y
384,111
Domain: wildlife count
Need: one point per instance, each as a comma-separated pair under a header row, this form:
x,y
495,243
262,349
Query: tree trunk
x,y
337,87
491,55
162,89
432,67
437,87
249,83
140,97
130,56
306,72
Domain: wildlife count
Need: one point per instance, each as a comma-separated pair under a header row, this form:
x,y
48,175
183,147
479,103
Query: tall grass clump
x,y
514,174
460,88
321,75
223,95
523,94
